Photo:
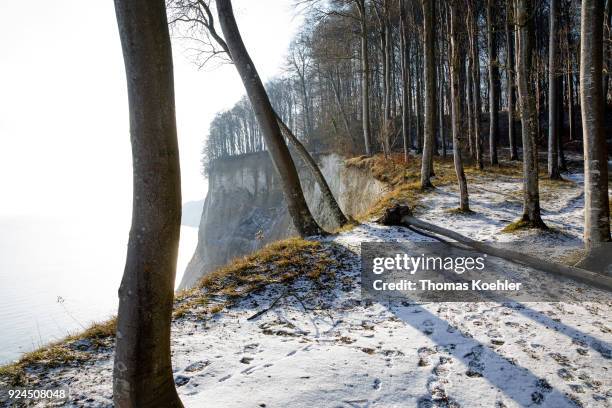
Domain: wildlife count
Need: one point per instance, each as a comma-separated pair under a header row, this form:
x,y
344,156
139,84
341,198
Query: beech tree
x,y
510,79
475,74
430,93
142,375
493,82
365,76
406,85
456,109
242,118
596,201
553,91
302,218
529,124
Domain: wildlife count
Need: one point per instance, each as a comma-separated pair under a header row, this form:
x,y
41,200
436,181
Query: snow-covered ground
x,y
330,348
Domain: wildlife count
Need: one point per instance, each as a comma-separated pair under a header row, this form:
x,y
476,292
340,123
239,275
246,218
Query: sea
x,y
60,274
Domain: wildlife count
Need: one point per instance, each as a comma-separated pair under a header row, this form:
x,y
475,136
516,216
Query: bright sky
x,y
64,133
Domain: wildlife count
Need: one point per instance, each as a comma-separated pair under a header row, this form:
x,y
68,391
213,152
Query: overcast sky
x,y
64,133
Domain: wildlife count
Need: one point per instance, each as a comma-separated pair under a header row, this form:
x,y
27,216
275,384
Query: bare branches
x,y
193,22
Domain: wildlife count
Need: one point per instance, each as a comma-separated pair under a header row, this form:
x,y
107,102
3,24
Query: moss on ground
x,y
522,224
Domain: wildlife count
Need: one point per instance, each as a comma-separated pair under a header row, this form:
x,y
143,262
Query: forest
x,y
468,119
477,80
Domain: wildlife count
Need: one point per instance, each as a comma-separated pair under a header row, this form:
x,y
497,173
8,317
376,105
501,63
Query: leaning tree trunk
x,y
596,205
553,94
142,375
493,83
326,193
510,84
303,221
456,112
365,78
529,124
430,93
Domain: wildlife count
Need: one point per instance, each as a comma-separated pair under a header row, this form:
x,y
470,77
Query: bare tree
x,y
405,65
429,74
510,80
300,61
596,201
302,218
553,91
456,109
365,76
493,82
142,374
529,125
475,56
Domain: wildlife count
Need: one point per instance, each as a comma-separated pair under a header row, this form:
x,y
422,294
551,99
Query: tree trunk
x,y
386,51
406,97
553,105
303,221
419,103
596,205
470,115
142,375
441,106
429,74
328,196
365,78
476,83
456,114
606,52
345,121
562,161
510,81
580,275
493,83
570,100
529,125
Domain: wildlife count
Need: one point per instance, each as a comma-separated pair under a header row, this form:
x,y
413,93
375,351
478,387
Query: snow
x,y
331,348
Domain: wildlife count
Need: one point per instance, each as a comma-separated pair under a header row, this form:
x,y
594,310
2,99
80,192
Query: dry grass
x,y
278,262
59,353
404,178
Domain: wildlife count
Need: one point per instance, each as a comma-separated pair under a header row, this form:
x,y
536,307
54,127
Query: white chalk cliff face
x,y
245,209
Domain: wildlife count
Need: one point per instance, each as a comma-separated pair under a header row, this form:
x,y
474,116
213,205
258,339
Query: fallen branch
x,y
581,275
266,310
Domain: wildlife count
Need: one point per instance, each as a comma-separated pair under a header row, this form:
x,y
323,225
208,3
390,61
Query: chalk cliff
x,y
244,208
